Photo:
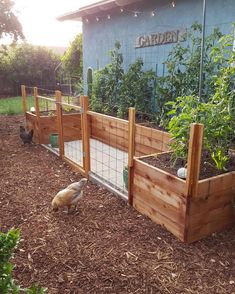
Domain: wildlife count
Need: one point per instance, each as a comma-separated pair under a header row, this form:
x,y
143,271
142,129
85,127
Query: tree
x,y
72,60
29,65
9,23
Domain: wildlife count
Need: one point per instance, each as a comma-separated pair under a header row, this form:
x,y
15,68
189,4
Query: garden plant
x,y
8,244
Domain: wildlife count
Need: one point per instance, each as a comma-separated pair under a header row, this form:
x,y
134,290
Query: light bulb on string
x,y
121,10
136,14
87,20
97,18
108,16
173,4
153,13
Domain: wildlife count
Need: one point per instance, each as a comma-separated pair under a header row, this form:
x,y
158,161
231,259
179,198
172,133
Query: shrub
x,y
8,244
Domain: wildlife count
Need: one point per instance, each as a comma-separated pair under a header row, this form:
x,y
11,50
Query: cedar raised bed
x,y
48,125
190,214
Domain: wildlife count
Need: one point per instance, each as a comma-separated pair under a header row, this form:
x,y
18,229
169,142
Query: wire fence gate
x,y
99,146
95,144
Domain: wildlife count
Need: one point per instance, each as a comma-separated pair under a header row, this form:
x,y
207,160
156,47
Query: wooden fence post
x,y
59,122
24,99
85,135
37,111
194,159
131,152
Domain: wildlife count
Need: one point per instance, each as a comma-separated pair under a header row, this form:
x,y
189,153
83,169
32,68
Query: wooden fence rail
x,y
191,209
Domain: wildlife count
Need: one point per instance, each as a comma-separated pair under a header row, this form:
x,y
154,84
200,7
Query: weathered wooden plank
x,y
147,150
169,197
212,201
150,142
156,201
59,123
131,152
107,129
24,99
159,177
212,214
194,159
153,133
156,216
106,117
215,184
110,139
220,223
85,135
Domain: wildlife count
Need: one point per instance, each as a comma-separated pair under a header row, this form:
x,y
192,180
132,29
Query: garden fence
x,y
111,150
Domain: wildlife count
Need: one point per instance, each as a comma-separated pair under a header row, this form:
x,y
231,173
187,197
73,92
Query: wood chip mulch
x,y
105,247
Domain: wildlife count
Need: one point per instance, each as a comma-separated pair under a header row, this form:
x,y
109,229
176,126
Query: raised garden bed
x,y
48,126
190,214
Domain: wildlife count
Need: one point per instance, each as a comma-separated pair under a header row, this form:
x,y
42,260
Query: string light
x,y
136,13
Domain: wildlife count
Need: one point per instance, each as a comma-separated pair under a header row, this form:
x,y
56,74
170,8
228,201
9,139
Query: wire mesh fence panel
x,y
108,151
72,132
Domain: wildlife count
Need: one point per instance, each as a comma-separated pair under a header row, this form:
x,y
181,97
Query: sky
x,y
38,19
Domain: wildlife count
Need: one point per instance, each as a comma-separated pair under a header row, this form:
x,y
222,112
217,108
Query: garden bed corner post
x,y
24,99
59,122
193,167
131,152
37,111
85,135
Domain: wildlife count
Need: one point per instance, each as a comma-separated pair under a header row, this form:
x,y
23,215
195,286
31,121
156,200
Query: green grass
x,y
13,105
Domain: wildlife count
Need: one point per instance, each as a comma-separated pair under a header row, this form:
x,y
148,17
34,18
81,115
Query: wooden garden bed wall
x,y
160,196
109,130
211,210
48,125
149,140
114,132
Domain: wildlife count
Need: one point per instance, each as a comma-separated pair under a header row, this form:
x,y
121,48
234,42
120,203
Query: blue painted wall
x,y
99,37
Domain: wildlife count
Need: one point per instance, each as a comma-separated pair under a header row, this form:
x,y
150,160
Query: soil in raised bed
x,y
207,168
106,246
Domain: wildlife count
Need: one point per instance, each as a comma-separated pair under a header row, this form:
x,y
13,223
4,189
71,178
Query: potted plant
x,y
54,140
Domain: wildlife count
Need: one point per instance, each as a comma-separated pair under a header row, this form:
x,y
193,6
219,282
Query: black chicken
x,y
26,136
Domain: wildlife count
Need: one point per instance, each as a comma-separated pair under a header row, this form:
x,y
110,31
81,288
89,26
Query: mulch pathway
x,y
107,246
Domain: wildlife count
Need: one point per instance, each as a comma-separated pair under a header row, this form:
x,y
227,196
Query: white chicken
x,y
69,196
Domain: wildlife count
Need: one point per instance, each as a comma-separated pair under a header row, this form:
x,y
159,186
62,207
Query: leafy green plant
x,y
220,159
114,91
136,89
107,81
8,244
218,128
182,67
217,114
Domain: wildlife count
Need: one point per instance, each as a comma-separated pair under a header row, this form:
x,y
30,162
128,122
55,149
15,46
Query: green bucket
x,y
125,176
54,140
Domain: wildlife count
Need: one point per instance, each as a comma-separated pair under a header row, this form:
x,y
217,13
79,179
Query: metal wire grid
x,y
72,133
107,160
